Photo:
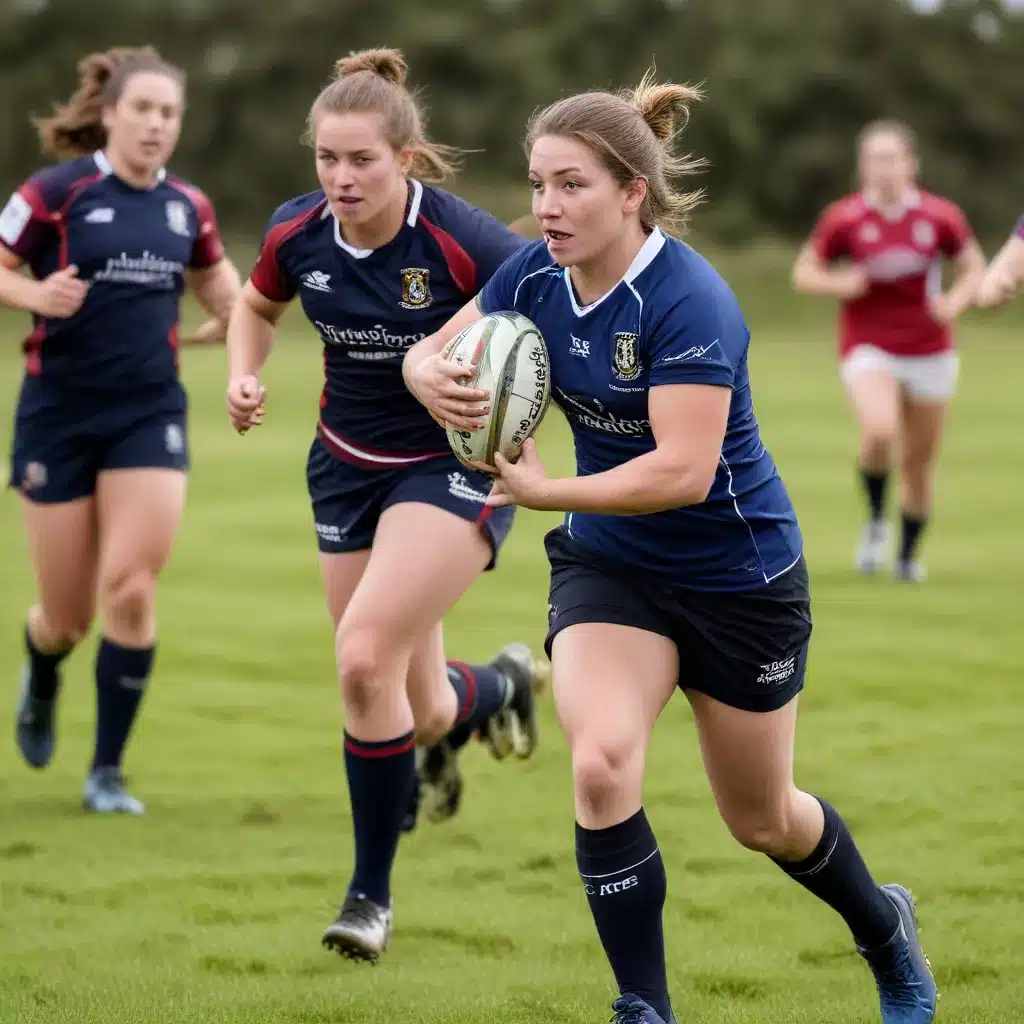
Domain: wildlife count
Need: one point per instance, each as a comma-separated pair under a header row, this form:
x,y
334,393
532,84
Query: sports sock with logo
x,y
624,879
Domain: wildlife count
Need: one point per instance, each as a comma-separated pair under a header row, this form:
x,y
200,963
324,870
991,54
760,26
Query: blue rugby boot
x,y
630,1009
104,793
34,729
906,987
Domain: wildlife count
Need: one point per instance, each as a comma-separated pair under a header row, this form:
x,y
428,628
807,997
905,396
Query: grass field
x,y
210,908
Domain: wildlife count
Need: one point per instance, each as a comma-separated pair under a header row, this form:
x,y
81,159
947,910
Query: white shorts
x,y
924,378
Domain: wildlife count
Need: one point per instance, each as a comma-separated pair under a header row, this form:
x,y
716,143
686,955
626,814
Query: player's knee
x,y
878,439
65,632
432,724
128,597
601,772
763,830
360,655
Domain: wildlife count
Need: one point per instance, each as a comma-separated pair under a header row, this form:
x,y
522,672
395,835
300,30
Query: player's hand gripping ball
x,y
512,365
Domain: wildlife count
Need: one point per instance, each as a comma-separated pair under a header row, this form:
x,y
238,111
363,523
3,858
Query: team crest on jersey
x,y
177,217
923,233
415,288
626,356
869,233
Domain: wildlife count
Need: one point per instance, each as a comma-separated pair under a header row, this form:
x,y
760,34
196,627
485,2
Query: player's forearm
x,y
219,292
249,340
17,290
654,482
812,280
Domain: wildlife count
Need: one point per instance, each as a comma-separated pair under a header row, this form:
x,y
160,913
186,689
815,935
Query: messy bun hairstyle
x,y
75,128
634,134
374,81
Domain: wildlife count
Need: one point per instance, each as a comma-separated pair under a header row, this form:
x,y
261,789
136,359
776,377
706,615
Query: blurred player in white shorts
x,y
880,251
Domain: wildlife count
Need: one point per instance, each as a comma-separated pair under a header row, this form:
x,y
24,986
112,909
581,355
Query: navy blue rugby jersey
x,y
370,306
132,245
671,320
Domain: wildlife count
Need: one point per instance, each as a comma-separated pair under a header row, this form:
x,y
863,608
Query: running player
x,y
1006,271
100,441
895,338
379,260
679,563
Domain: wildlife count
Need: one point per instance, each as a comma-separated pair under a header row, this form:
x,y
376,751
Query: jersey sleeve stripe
x,y
267,277
208,250
460,264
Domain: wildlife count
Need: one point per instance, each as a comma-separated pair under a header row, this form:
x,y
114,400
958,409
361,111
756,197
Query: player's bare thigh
x,y
62,544
875,395
423,560
139,512
610,684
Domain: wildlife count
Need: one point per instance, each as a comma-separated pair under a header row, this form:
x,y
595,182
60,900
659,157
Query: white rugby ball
x,y
512,364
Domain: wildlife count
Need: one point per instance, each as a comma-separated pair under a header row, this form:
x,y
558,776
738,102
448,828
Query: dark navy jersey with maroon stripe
x,y
132,246
370,306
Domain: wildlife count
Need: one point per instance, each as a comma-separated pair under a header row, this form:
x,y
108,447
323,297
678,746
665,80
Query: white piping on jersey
x,y
642,260
361,254
101,161
383,460
933,278
552,268
743,520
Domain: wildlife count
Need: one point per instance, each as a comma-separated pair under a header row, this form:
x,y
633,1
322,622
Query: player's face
x,y
144,125
887,165
360,173
579,206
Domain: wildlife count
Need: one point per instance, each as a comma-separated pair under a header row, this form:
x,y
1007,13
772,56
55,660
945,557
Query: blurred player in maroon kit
x,y
880,251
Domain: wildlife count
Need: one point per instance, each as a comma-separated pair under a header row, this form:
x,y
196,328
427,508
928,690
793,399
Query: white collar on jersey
x,y
104,165
361,254
910,200
642,260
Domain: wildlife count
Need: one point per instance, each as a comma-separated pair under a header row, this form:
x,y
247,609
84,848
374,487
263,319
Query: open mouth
x,y
348,202
556,236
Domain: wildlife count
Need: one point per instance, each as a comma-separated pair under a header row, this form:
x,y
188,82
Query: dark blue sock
x,y
43,677
837,875
380,778
875,485
121,677
624,879
482,690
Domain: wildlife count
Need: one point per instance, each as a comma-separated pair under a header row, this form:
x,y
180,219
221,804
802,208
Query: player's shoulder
x,y
677,272
56,183
939,207
191,191
845,210
454,215
300,210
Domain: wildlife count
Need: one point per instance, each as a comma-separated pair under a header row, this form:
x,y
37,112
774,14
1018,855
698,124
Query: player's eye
x,y
571,186
327,158
535,186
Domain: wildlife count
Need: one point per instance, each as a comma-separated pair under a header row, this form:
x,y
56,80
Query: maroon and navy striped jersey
x,y
370,306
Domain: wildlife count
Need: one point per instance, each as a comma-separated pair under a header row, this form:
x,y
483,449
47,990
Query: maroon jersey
x,y
902,255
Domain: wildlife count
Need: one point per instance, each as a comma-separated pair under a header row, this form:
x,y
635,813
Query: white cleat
x,y
361,930
910,572
104,793
873,548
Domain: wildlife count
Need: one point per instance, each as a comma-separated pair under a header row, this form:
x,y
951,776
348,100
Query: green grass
x,y
210,908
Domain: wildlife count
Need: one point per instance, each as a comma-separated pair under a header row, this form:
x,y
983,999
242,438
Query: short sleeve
x,y
208,250
830,238
702,339
269,275
953,230
502,291
26,224
490,244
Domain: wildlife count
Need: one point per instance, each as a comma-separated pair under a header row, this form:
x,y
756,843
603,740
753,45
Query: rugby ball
x,y
512,365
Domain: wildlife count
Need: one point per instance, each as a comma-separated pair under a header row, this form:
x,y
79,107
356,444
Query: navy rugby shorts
x,y
59,450
745,648
348,500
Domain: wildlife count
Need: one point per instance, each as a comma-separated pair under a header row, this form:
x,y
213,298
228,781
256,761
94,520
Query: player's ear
x,y
405,158
634,194
107,116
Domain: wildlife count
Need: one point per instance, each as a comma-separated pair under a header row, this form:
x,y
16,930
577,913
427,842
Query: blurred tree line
x,y
789,83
